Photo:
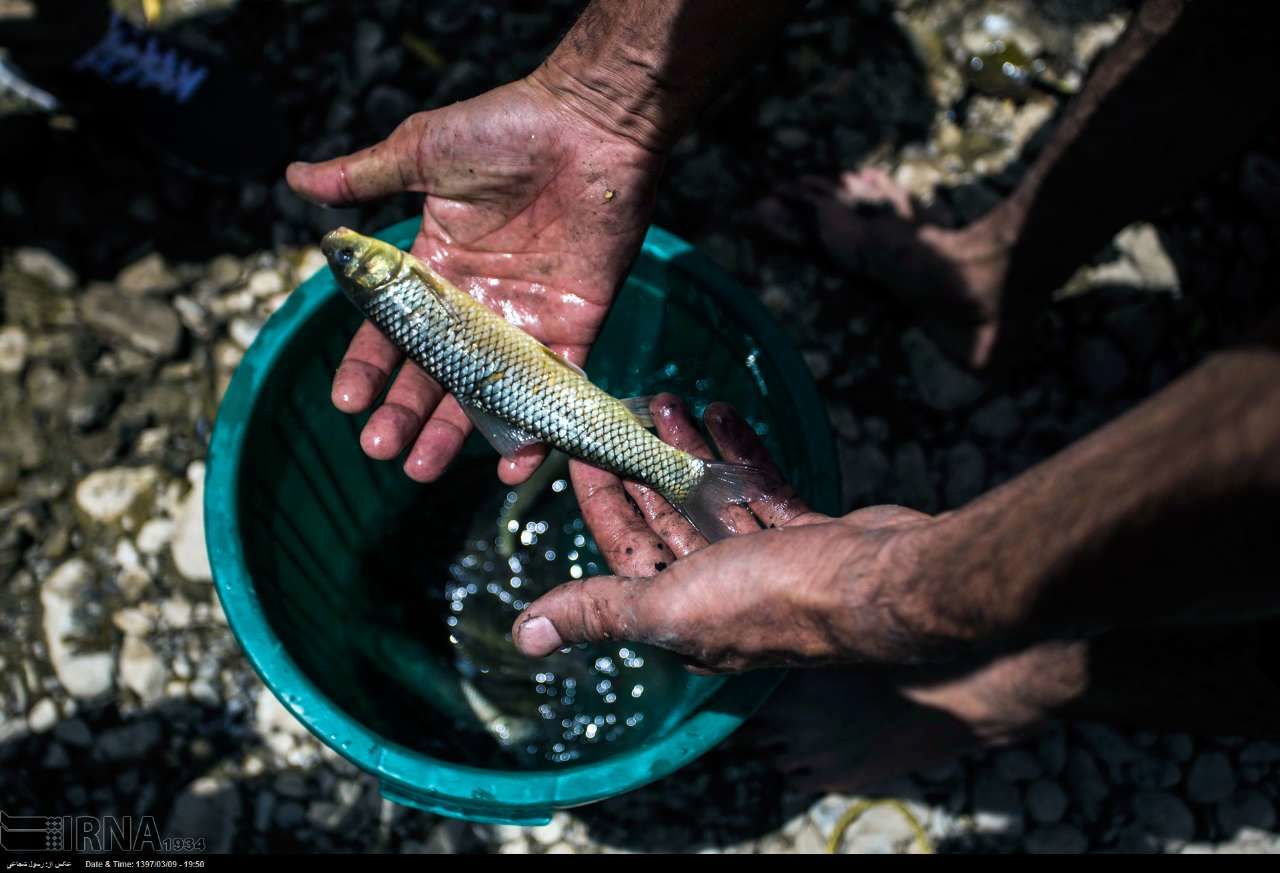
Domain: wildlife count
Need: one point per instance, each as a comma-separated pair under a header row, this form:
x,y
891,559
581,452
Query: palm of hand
x,y
536,213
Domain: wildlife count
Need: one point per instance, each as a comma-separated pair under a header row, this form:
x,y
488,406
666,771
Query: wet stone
x,y
1046,801
1246,809
187,547
69,625
44,266
117,495
208,809
43,716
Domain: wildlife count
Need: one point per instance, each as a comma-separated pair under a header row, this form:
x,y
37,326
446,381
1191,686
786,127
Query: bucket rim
x,y
452,788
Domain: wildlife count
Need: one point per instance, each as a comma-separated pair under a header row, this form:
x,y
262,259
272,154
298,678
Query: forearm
x,y
1168,512
643,68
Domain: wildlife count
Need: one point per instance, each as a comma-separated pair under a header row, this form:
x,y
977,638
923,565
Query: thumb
x,y
388,167
591,610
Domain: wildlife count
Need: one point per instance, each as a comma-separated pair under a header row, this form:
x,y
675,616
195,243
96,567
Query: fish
x,y
517,391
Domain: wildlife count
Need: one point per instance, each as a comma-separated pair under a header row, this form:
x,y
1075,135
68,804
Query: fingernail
x,y
538,634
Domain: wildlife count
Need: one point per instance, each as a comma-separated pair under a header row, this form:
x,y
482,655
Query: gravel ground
x,y
125,313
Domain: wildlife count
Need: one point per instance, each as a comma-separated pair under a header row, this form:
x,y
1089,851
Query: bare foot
x,y
848,730
869,227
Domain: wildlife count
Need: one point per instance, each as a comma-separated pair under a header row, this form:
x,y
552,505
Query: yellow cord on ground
x,y
854,812
152,10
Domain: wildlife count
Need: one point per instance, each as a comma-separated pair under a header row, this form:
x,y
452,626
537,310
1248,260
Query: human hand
x,y
794,587
531,206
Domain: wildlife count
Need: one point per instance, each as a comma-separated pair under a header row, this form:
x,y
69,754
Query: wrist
x,y
622,104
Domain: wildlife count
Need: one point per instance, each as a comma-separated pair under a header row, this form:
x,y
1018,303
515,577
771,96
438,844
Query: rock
x,y
208,808
1017,765
809,842
74,732
289,814
190,555
549,833
1053,751
1153,773
1089,787
911,485
997,420
244,331
1058,839
148,325
1246,809
1101,366
42,265
1210,778
155,535
13,350
1107,743
118,495
1178,746
91,403
56,757
128,742
43,716
881,830
1046,801
997,805
864,470
271,717
942,385
966,473
141,671
1164,815
65,596
265,282
150,275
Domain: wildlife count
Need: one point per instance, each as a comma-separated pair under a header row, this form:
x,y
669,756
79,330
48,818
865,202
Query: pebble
x,y
942,385
13,350
549,833
1164,814
74,732
45,267
1101,366
1249,808
190,555
997,805
141,670
997,419
155,535
966,473
1210,778
150,326
64,594
117,495
1057,839
128,742
208,809
881,830
43,716
265,282
1017,765
148,275
1046,801
244,331
1088,786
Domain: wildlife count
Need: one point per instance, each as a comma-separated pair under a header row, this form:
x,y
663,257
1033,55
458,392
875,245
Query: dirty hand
x,y
794,587
531,206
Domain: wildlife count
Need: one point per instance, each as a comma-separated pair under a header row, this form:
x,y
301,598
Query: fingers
x,y
514,470
589,610
660,517
676,426
738,443
389,167
439,442
412,398
628,545
365,368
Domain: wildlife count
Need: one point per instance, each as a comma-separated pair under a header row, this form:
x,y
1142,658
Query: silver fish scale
x,y
482,359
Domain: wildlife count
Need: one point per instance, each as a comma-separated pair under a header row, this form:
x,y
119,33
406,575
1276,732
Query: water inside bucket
x,y
359,571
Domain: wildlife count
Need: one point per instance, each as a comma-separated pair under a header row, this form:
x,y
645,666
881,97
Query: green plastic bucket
x,y
296,518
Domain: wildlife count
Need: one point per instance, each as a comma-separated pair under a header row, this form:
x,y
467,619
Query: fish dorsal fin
x,y
565,362
506,438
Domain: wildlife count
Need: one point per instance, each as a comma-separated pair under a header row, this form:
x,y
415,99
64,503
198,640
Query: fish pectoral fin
x,y
639,407
565,362
506,438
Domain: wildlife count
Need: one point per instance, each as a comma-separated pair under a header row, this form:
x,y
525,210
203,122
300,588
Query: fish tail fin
x,y
720,486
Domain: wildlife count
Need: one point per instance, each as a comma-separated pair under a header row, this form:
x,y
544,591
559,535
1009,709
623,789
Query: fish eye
x,y
344,257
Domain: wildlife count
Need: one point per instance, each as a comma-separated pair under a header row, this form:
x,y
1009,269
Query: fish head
x,y
362,265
